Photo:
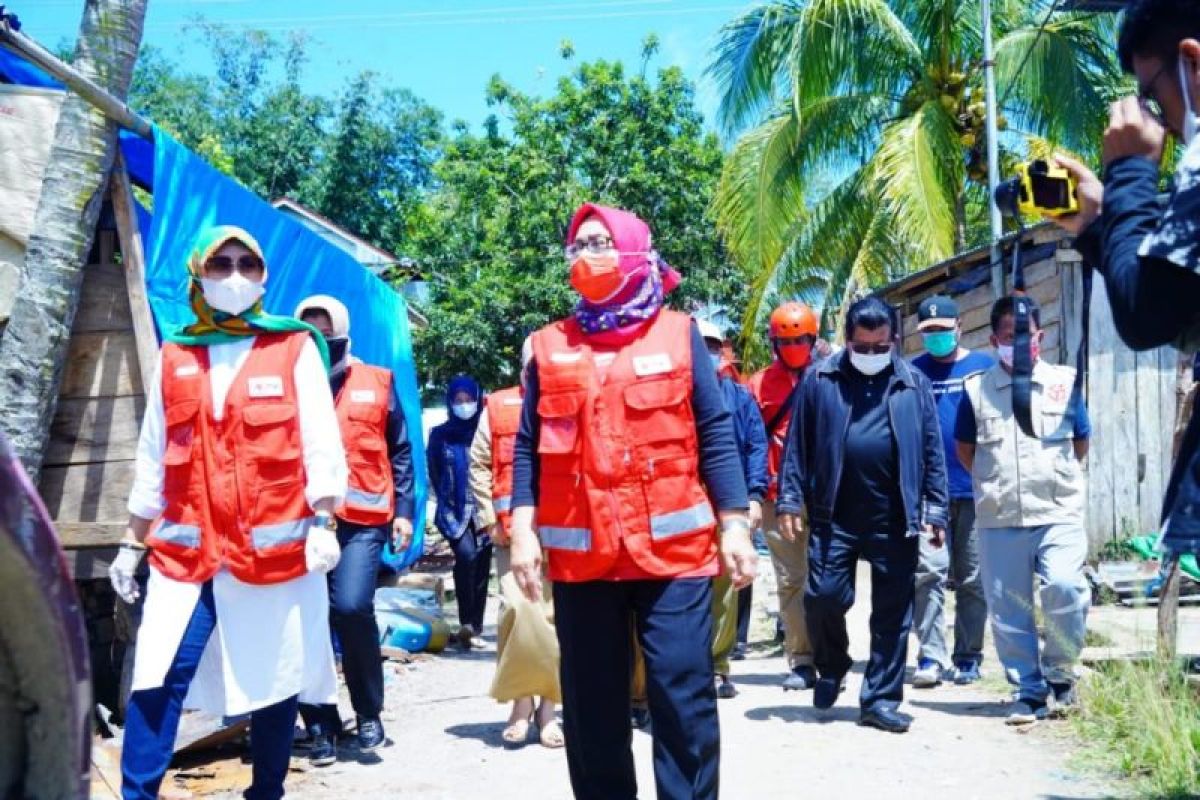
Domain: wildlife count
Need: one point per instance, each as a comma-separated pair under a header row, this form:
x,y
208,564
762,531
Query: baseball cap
x,y
937,311
709,330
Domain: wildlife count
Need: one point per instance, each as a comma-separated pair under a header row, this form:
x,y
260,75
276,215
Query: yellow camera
x,y
1038,188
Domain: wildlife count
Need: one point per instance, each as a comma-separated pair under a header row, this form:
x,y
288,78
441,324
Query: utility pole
x,y
993,151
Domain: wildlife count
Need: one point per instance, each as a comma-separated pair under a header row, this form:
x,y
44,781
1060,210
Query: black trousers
x,y
673,622
352,618
472,565
833,555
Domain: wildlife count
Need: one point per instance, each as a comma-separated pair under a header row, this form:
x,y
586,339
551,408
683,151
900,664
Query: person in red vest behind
x,y
623,428
793,336
491,483
239,469
378,505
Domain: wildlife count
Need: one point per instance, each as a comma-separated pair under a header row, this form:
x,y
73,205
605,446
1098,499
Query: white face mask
x,y
1005,352
464,410
233,295
870,363
1189,115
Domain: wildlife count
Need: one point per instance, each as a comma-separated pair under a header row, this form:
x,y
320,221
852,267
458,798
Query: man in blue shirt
x,y
946,363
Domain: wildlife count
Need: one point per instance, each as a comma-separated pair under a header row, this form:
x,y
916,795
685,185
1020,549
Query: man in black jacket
x,y
864,457
1150,259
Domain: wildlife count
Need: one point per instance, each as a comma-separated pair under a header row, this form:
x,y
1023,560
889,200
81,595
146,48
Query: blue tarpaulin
x,y
190,196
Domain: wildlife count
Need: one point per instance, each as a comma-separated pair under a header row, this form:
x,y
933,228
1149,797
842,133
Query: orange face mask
x,y
795,356
597,277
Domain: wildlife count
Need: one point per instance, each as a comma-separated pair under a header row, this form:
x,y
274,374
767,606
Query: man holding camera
x,y
1150,259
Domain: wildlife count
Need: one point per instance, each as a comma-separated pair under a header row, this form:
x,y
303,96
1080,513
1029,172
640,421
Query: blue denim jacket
x,y
812,459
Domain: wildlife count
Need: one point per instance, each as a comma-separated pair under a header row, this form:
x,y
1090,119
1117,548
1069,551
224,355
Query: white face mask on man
x,y
233,295
464,410
870,363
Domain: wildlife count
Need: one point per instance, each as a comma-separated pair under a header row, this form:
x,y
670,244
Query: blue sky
x,y
445,51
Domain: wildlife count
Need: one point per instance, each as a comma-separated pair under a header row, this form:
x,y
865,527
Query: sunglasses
x,y
870,349
224,265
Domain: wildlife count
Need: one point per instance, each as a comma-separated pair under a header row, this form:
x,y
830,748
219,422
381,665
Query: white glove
x,y
120,573
321,550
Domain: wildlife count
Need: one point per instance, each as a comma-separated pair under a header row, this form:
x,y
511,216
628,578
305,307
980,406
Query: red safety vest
x,y
504,419
618,456
362,411
234,488
771,387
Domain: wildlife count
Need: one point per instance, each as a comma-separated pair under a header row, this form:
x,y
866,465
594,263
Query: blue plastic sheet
x,y
15,69
190,196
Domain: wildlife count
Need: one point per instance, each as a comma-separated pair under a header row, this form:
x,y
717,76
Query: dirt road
x,y
445,743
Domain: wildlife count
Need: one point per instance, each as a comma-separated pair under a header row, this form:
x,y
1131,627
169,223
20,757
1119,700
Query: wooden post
x,y
1168,598
133,260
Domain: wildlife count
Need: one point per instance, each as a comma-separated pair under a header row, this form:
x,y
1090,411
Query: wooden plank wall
x,y
88,468
1131,396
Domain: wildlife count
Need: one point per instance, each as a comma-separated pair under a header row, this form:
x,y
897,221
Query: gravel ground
x,y
445,741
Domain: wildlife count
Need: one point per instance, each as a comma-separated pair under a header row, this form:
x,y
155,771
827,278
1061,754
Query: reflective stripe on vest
x,y
373,500
686,520
178,533
502,504
265,536
577,539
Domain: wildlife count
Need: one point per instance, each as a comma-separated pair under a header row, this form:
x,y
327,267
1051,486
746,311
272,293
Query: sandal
x,y
515,734
551,735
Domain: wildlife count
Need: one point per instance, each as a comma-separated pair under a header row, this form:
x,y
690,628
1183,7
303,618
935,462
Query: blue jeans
x,y
833,557
1011,558
152,720
352,618
673,623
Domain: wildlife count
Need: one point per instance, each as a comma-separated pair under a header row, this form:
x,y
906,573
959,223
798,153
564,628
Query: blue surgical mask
x,y
940,344
716,360
464,410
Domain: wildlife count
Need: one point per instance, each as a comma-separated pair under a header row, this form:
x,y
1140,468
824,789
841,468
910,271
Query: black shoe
x,y
801,677
826,691
725,689
640,718
1065,698
323,750
739,652
885,719
370,734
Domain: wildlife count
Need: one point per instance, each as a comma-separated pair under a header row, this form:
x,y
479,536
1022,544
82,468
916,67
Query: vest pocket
x,y
272,441
180,421
656,410
989,442
559,413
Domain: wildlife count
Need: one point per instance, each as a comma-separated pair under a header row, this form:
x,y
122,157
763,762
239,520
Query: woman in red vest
x,y
239,469
623,430
378,505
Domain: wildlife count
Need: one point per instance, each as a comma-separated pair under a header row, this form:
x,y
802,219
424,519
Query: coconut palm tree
x,y
866,156
33,348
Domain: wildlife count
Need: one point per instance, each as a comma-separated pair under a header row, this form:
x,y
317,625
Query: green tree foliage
x,y
866,156
490,237
364,161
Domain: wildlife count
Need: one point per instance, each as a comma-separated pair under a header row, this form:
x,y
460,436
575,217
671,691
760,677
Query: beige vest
x,y
1019,481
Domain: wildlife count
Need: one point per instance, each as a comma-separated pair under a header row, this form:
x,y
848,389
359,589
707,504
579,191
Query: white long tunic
x,y
270,642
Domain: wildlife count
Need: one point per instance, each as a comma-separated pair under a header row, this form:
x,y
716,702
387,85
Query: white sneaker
x,y
1026,712
928,674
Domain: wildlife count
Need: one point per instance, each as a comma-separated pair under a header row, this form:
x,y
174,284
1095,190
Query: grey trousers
x,y
1011,559
955,564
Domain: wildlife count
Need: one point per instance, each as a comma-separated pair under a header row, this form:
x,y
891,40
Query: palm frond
x,y
918,169
748,63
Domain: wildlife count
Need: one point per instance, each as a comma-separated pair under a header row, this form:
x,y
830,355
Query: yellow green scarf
x,y
214,327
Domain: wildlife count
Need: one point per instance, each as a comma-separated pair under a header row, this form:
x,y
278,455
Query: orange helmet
x,y
793,320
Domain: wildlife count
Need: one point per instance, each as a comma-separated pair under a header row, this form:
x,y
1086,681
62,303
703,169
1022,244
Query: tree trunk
x,y
33,348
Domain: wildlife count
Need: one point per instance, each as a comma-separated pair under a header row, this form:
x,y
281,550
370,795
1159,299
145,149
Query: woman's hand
x,y
737,550
525,554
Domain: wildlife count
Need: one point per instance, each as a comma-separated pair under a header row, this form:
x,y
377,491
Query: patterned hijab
x,y
215,327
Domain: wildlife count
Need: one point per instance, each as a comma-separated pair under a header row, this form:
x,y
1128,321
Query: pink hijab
x,y
649,278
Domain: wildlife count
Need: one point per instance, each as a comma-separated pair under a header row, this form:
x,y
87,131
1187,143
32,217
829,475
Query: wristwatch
x,y
325,520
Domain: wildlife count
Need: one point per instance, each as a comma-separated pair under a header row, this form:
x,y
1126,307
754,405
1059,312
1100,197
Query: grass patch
x,y
1142,719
